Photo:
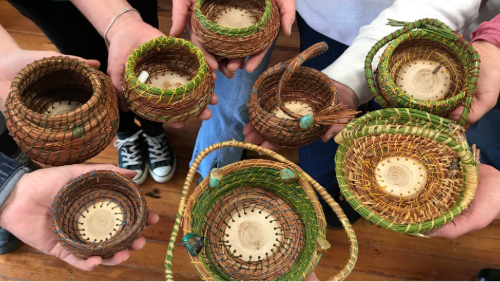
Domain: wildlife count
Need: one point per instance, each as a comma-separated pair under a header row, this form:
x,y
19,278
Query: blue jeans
x,y
486,136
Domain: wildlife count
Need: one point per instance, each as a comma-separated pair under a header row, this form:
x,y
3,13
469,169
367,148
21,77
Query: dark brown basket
x,y
308,91
168,57
99,214
235,29
62,111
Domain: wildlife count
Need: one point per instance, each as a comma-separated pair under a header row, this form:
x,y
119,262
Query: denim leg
x,y
486,136
229,117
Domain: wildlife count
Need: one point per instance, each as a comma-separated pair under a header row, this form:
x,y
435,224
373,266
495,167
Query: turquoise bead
x,y
307,122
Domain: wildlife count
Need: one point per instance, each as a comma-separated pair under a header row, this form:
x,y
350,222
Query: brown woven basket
x,y
291,105
179,83
235,29
99,214
62,111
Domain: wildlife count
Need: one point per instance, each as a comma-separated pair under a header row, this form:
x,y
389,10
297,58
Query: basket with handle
x,y
99,214
426,66
62,111
255,220
406,170
292,105
177,84
235,29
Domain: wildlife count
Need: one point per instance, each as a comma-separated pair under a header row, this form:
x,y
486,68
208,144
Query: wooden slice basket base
x,y
62,107
236,17
298,107
99,222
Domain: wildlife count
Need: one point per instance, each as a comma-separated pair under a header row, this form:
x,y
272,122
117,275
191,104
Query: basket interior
x,y
234,14
55,88
168,68
426,70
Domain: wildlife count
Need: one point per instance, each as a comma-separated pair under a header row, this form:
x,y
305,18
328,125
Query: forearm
x,y
8,44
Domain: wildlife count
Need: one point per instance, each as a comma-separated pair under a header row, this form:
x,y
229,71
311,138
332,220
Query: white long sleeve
x,y
348,69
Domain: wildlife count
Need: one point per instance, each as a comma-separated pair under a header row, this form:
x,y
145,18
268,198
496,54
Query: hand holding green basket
x,y
255,220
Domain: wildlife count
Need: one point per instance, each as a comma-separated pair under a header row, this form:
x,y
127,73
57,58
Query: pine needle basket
x,y
426,66
99,214
293,106
180,83
62,111
255,220
235,29
406,170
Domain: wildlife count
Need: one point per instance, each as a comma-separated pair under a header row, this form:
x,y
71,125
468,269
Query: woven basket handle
x,y
343,273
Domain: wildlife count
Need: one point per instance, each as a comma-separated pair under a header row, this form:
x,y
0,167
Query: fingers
x,y
138,244
76,170
224,70
455,115
312,277
206,114
118,258
214,100
479,107
252,136
88,264
177,124
211,60
254,61
235,64
255,138
153,218
270,146
462,224
248,128
93,63
180,16
287,11
117,79
333,130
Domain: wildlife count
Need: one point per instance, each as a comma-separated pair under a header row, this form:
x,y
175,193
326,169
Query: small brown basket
x,y
235,29
62,111
179,82
293,106
99,214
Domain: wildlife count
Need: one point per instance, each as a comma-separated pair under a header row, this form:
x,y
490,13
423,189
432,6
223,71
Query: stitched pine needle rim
x,y
161,43
232,32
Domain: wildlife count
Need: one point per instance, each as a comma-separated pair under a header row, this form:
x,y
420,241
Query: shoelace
x,y
131,152
157,152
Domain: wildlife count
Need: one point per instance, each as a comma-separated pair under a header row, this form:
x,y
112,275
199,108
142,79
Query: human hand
x,y
347,98
488,84
13,62
482,210
26,213
312,277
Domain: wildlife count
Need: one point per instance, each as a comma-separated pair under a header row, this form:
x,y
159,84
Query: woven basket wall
x,y
235,29
99,214
62,111
425,66
406,170
286,95
165,57
255,220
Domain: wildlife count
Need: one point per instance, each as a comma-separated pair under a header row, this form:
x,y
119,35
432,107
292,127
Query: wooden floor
x,y
383,255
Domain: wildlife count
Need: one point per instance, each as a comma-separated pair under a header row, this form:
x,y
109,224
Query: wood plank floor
x,y
383,255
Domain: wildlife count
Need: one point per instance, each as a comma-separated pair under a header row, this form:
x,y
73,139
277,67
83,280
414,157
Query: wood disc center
x,y
99,222
401,177
62,107
297,107
168,80
236,18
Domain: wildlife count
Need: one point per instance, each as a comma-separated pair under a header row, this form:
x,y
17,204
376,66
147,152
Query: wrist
x,y
123,23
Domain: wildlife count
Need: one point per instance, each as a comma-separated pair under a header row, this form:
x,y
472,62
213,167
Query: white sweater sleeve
x,y
348,69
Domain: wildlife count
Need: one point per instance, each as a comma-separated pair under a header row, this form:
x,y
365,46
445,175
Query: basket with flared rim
x,y
179,82
255,220
406,170
291,105
62,111
426,66
99,214
235,29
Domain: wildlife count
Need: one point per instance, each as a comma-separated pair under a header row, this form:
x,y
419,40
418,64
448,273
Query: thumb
x,y
180,15
287,11
93,63
456,113
462,224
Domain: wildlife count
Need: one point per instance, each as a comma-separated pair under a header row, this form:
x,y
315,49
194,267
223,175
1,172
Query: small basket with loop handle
x,y
178,85
235,29
426,66
62,111
406,170
292,105
99,214
255,220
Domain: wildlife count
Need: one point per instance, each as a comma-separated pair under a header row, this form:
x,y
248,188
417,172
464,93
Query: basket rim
x,y
160,43
233,32
14,98
462,149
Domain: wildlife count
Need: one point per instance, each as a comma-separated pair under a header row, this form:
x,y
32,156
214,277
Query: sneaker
x,y
162,160
132,156
8,242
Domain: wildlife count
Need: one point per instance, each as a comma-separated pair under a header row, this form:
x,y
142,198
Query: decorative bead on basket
x,y
292,105
255,220
178,83
426,66
62,111
99,214
406,170
235,29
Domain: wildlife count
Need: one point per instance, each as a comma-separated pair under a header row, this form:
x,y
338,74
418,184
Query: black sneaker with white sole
x,y
161,157
132,155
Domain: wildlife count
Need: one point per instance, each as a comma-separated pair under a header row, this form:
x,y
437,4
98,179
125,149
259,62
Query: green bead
x,y
193,243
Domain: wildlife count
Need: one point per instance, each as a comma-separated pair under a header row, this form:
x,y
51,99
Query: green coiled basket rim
x,y
233,32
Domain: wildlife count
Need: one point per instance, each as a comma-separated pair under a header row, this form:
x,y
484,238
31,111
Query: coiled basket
x,y
235,29
99,214
62,111
179,82
406,170
426,66
293,106
255,220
